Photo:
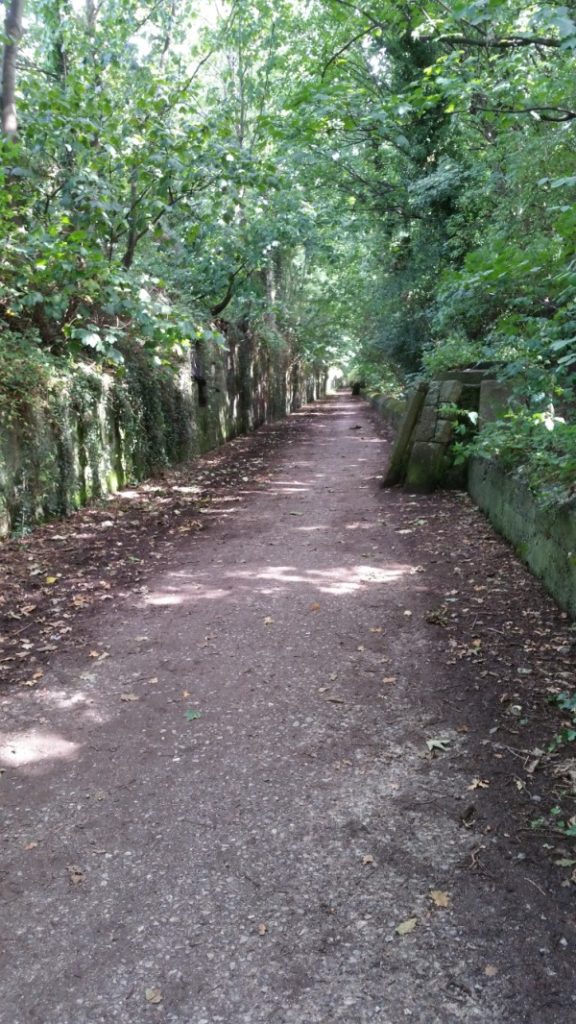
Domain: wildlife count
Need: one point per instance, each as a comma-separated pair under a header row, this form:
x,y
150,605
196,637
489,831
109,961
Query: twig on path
x,y
536,886
475,857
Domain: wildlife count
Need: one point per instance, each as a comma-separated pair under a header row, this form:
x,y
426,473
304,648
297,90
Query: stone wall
x,y
543,536
87,432
423,457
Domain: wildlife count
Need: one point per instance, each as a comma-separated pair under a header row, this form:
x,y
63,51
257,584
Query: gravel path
x,y
224,815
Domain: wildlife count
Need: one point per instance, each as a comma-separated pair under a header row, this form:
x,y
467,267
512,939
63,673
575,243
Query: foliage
x,y
389,188
566,702
539,445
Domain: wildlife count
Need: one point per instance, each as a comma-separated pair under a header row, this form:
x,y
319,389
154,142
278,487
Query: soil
x,y
274,752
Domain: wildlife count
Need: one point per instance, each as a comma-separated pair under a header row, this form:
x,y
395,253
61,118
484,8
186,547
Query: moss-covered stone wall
x,y
73,432
544,536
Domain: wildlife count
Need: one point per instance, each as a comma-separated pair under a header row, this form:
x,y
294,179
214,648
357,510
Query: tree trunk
x,y
91,14
128,258
13,34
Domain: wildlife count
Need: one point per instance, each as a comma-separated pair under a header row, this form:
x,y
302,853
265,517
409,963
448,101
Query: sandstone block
x,y
426,466
494,399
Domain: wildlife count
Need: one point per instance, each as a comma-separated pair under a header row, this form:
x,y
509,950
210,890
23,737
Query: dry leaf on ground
x,y
407,926
479,784
438,744
153,995
440,898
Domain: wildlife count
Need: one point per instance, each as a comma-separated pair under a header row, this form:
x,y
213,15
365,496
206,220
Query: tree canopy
x,y
390,184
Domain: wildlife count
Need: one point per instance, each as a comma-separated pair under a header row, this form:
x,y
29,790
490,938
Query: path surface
x,y
251,865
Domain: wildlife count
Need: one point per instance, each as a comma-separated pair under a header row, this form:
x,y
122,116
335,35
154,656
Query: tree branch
x,y
509,43
220,306
541,112
343,49
360,10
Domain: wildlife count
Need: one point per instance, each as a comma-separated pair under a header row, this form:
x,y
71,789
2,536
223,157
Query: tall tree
x,y
13,34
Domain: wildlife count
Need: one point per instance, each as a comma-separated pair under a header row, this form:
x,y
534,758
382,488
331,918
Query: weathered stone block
x,y
474,377
494,399
444,432
433,396
450,392
426,426
399,458
426,466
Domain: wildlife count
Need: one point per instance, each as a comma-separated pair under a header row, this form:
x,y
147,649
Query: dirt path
x,y
220,802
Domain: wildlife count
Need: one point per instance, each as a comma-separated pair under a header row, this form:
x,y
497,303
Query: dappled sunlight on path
x,y
227,795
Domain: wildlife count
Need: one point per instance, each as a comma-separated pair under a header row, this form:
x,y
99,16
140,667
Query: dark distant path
x,y
251,865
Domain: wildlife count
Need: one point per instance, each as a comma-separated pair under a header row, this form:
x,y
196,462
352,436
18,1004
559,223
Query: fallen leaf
x,y
51,579
437,616
437,744
533,765
129,697
315,607
192,714
490,971
367,859
153,995
262,929
407,926
479,784
439,898
75,874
